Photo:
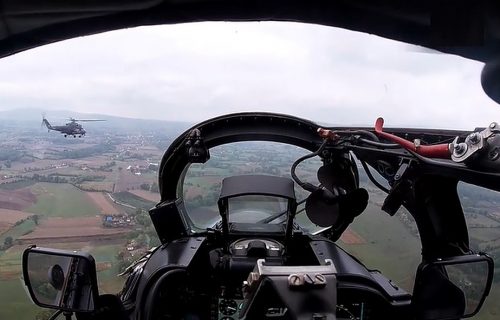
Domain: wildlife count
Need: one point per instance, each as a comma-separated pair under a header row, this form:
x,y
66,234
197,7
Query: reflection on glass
x,y
61,281
48,275
471,278
253,208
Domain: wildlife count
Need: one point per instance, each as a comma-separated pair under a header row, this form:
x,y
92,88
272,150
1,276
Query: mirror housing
x,y
490,79
61,279
452,287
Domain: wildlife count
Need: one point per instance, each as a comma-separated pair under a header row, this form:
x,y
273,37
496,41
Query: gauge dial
x,y
344,313
228,307
351,312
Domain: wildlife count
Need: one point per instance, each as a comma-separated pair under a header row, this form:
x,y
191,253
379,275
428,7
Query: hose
x,y
381,144
372,178
366,133
306,185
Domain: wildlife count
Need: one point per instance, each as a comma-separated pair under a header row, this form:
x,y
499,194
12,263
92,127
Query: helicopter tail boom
x,y
47,124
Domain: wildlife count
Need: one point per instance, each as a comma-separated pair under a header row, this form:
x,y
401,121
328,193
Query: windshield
x,y
256,208
202,182
134,91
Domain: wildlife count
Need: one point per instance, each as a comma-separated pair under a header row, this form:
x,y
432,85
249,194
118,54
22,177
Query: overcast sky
x,y
191,72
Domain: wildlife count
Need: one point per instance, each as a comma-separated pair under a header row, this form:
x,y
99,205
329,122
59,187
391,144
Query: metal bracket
x,y
402,170
400,186
473,144
263,269
195,147
298,276
305,292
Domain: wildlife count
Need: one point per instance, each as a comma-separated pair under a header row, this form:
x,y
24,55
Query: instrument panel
x,y
352,304
270,248
352,311
228,309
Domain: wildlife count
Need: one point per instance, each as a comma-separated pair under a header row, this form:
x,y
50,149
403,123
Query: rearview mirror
x,y
452,288
60,279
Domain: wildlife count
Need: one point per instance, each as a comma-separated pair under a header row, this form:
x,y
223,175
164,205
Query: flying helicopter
x,y
262,270
72,128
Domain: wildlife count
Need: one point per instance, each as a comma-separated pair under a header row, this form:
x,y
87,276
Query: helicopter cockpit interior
x,y
256,260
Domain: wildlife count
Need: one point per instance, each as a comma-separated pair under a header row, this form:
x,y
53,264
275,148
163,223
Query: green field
x,y
389,247
106,186
61,200
491,307
17,231
484,234
479,220
10,264
133,200
14,301
109,281
17,185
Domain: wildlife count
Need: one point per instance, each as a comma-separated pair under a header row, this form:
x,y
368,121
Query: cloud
x,y
190,72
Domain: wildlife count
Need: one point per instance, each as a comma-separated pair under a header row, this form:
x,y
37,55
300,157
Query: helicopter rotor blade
x,y
85,120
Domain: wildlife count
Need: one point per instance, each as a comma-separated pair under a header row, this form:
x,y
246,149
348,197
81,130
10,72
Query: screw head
x,y
474,138
319,278
460,149
308,279
295,280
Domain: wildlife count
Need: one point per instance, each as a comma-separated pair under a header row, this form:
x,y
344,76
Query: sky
x,y
191,72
